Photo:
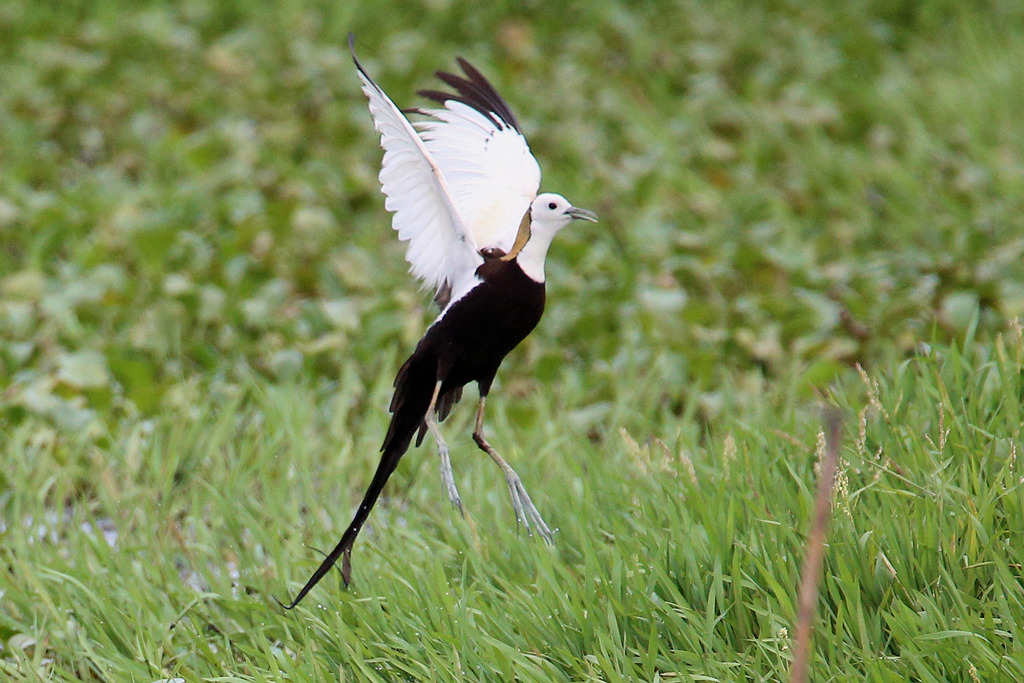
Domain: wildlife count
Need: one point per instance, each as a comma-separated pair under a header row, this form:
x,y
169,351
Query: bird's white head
x,y
549,213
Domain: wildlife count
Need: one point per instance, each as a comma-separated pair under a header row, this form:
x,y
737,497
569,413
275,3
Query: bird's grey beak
x,y
582,214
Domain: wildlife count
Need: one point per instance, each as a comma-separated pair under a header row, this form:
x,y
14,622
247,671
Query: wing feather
x,y
476,141
457,182
442,250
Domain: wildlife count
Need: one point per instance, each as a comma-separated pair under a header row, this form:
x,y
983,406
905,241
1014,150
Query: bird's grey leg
x,y
526,512
447,477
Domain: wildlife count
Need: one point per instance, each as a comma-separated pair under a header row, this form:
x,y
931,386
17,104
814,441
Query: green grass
x,y
677,550
202,310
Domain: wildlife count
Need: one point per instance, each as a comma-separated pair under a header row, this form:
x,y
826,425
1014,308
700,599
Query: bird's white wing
x,y
480,149
442,250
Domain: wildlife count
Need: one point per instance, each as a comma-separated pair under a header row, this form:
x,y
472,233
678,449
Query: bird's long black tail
x,y
414,387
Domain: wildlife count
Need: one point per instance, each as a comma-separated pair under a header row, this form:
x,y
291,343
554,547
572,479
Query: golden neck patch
x,y
522,237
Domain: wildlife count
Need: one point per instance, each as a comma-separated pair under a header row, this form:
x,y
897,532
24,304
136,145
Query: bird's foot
x,y
448,481
526,511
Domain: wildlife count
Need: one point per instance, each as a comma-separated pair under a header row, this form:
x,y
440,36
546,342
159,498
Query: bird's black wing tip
x,y
474,90
352,50
439,96
472,73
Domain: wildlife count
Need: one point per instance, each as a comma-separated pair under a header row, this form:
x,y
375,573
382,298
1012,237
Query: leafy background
x,y
189,189
190,221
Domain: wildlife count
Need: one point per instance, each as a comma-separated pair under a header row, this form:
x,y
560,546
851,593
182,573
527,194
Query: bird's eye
x,y
552,206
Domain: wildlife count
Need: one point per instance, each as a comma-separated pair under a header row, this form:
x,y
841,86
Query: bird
x,y
462,186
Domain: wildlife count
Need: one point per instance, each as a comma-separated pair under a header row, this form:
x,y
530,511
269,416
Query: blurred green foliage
x,y
188,189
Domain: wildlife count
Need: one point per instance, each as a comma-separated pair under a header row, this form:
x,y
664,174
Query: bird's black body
x,y
466,344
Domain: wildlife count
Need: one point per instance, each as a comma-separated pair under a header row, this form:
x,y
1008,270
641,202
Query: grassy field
x,y
202,309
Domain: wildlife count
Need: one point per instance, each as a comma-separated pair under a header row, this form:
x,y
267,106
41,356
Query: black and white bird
x,y
462,185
